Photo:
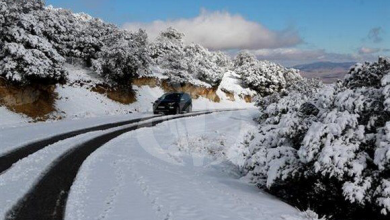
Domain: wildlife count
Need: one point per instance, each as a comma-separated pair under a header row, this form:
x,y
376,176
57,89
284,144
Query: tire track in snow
x,y
47,199
8,159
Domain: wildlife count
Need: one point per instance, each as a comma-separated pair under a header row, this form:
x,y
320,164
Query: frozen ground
x,y
176,170
9,118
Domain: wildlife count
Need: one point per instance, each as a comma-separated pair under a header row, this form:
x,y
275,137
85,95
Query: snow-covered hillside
x,y
91,65
76,99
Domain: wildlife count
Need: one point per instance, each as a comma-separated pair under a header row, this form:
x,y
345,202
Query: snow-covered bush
x,y
263,76
192,64
327,147
214,147
167,52
35,42
26,56
74,35
205,65
124,56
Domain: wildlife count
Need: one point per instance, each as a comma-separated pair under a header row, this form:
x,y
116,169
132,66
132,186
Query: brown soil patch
x,y
248,98
229,95
194,91
146,81
35,101
122,94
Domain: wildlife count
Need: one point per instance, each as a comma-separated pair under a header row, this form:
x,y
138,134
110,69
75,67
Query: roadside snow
x,y
10,118
205,104
79,74
153,173
231,82
80,102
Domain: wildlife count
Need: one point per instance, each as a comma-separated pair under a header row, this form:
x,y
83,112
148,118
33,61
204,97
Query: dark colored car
x,y
173,103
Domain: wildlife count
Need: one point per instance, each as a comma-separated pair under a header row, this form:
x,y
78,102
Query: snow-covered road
x,y
175,170
179,169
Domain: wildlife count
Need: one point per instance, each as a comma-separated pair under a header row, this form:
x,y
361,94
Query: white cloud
x,y
294,56
367,50
220,30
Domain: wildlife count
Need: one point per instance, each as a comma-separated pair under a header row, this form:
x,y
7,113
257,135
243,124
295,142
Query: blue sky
x,y
324,29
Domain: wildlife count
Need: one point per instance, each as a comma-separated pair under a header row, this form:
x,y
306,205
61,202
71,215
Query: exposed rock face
x,y
122,94
229,95
194,91
146,81
35,101
248,98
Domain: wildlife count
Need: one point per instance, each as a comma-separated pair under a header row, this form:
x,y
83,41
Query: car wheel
x,y
177,110
189,110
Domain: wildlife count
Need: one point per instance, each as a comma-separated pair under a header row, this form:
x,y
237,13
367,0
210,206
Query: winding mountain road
x,y
47,199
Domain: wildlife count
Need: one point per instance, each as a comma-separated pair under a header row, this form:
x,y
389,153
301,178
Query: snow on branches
x,y
35,42
123,57
192,64
25,55
327,136
263,76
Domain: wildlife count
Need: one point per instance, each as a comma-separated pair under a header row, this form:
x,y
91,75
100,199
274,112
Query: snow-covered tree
x,y
124,56
263,76
192,64
26,56
204,65
36,40
74,35
327,146
168,53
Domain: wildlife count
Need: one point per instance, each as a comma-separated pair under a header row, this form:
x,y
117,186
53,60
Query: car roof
x,y
172,93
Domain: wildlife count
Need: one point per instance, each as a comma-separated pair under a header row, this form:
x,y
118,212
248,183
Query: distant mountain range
x,y
328,72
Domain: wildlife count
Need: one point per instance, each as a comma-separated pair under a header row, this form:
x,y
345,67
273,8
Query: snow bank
x,y
232,83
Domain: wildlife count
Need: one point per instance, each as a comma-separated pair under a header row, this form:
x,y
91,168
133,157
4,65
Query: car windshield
x,y
172,97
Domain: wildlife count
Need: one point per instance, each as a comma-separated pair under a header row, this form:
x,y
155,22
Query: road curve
x,y
47,199
8,159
